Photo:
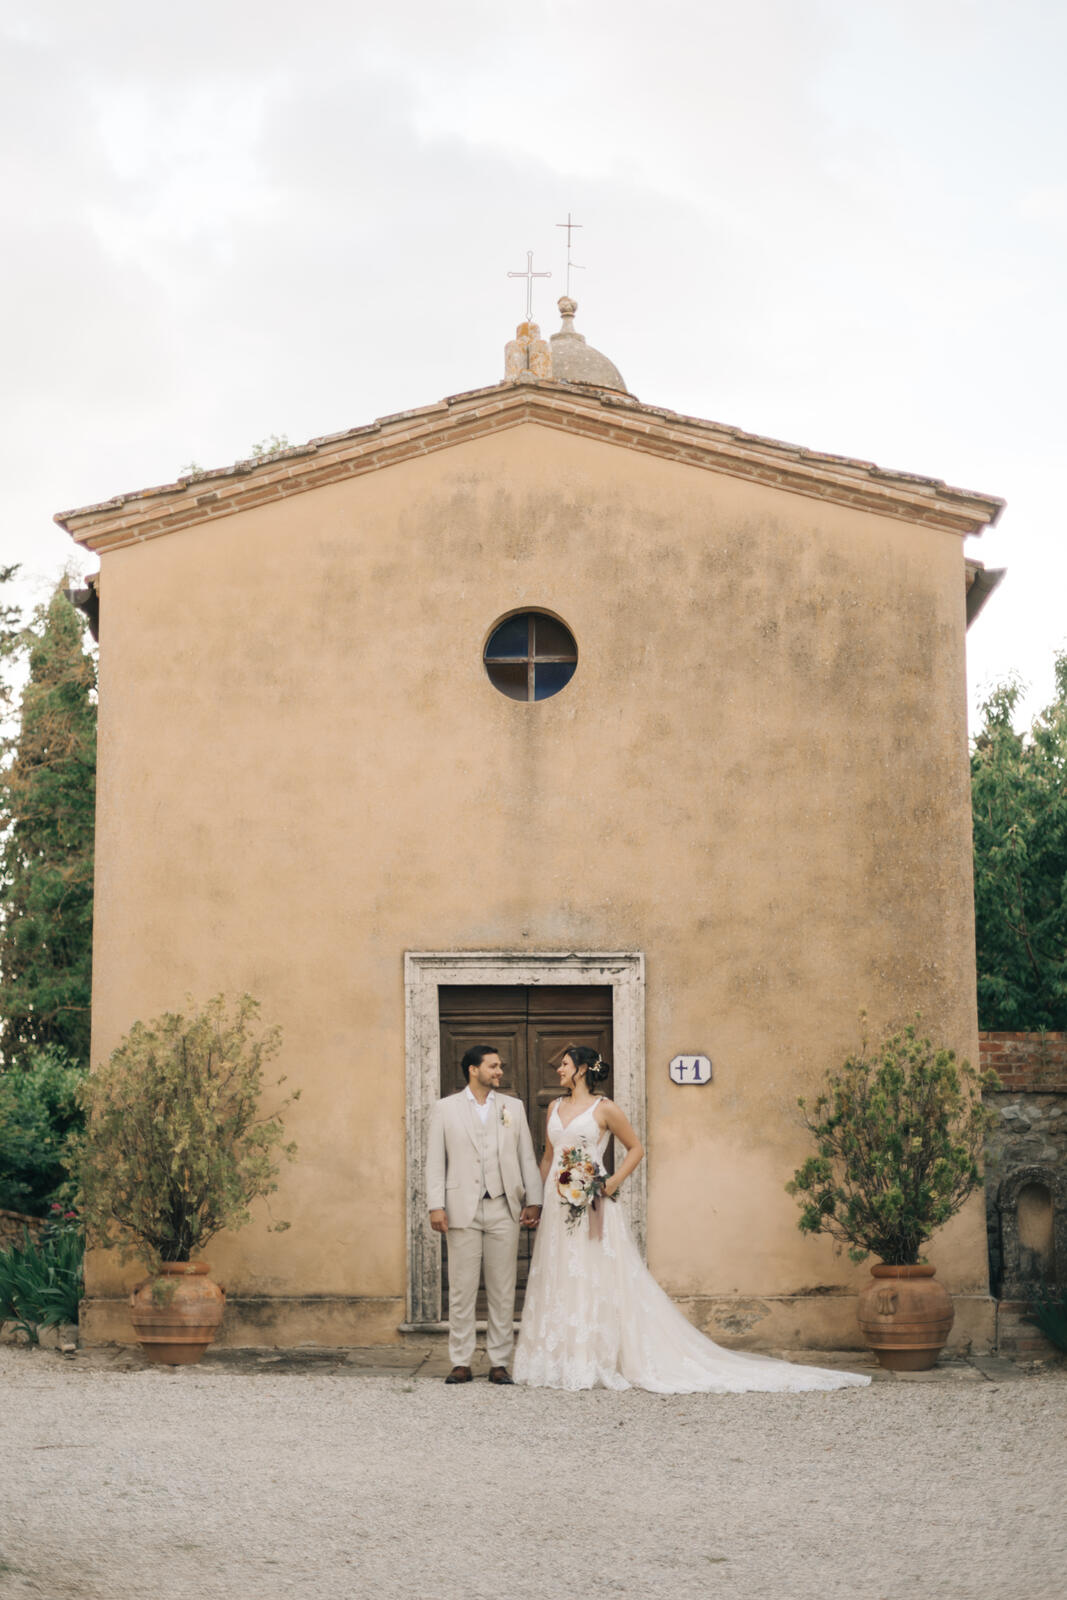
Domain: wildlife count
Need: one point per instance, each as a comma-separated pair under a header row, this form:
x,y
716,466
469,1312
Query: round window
x,y
530,656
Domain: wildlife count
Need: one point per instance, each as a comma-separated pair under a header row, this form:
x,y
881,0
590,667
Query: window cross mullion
x,y
509,666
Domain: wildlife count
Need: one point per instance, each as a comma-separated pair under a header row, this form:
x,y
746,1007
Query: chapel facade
x,y
536,717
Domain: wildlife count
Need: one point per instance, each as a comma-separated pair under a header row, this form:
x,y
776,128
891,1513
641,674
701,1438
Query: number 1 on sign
x,y
691,1069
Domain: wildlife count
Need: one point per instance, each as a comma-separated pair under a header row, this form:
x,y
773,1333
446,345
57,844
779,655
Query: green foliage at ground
x,y
47,801
899,1132
41,1281
175,1147
1019,795
1048,1311
38,1111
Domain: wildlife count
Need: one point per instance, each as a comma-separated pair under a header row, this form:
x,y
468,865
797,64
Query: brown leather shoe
x,y
500,1375
461,1375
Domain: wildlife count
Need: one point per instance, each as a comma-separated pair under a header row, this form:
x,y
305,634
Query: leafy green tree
x,y
47,800
1019,796
38,1111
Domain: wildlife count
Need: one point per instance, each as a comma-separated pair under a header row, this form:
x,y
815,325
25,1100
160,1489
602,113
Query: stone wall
x,y
13,1225
1026,1177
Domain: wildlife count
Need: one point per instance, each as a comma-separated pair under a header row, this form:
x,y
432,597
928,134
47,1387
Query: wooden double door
x,y
530,1028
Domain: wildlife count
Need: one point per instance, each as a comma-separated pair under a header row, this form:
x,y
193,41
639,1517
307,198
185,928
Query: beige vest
x,y
492,1183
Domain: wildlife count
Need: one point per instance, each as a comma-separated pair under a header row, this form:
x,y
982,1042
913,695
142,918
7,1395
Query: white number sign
x,y
691,1069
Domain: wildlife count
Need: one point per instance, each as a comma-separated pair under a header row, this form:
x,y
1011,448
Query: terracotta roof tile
x,y
617,418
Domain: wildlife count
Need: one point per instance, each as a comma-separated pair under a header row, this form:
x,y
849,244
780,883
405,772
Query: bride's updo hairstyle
x,y
596,1068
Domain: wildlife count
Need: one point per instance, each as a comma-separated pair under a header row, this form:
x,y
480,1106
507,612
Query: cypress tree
x,y
10,634
47,799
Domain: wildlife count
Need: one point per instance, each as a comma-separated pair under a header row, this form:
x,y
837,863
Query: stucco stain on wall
x,y
743,1316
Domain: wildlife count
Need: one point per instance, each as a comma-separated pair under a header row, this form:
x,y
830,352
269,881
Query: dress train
x,y
595,1317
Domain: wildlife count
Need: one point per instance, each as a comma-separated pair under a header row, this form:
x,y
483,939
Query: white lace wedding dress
x,y
595,1317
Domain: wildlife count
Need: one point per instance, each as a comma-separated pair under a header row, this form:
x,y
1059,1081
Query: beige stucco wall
x,y
757,777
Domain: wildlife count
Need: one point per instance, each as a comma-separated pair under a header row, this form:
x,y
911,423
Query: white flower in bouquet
x,y
580,1184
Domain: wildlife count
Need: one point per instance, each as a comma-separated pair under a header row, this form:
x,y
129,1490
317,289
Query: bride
x,y
594,1316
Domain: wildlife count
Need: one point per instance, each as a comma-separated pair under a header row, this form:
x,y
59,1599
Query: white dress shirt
x,y
483,1111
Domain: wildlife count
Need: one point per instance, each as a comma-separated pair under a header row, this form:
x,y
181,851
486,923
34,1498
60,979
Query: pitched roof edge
x,y
615,418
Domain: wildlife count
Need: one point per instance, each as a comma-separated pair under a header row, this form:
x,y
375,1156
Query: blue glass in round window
x,y
530,656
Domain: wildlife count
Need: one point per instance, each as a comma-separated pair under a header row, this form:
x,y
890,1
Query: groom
x,y
482,1182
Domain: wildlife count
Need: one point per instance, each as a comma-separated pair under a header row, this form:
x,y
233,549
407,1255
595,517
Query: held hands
x,y
530,1217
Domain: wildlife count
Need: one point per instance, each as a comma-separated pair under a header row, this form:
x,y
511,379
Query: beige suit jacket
x,y
453,1157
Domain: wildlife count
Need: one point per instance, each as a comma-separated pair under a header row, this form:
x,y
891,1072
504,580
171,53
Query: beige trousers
x,y
492,1239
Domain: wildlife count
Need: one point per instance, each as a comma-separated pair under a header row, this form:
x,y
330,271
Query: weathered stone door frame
x,y
424,973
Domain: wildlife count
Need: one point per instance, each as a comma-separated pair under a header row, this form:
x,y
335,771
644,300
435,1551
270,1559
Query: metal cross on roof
x,y
529,275
571,265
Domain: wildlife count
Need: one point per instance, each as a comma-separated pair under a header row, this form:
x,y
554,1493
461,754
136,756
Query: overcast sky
x,y
839,222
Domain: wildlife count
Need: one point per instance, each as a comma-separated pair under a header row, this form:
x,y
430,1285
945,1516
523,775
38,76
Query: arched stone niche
x,y
1032,1207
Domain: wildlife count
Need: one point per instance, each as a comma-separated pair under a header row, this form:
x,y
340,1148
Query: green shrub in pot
x,y
899,1131
175,1147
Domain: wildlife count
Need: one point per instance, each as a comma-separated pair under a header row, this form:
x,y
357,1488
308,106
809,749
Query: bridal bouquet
x,y
581,1185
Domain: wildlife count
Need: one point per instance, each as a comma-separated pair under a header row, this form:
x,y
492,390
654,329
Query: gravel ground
x,y
263,1483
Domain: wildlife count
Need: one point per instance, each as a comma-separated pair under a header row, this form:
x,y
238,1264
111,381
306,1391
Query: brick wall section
x,y
1031,1130
1034,1062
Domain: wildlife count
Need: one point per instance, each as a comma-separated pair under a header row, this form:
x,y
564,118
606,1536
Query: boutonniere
x,y
505,1117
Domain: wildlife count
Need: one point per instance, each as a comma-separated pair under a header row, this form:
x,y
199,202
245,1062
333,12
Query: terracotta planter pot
x,y
905,1317
176,1313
